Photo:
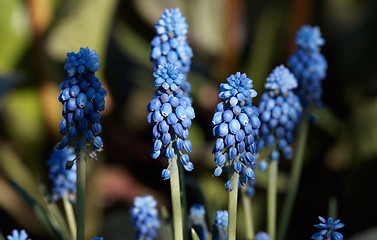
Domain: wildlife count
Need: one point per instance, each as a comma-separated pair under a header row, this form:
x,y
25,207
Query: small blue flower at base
x,y
97,238
145,217
197,221
18,235
309,66
262,236
235,125
170,44
220,228
327,229
170,114
280,113
63,179
83,99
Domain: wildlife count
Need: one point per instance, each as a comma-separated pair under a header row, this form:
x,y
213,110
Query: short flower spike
x,y
145,217
197,221
235,125
63,178
170,114
220,228
280,112
327,229
83,98
308,66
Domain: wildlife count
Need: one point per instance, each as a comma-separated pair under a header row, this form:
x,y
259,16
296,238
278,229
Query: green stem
x,y
176,199
80,206
182,185
232,209
246,201
271,198
295,177
70,215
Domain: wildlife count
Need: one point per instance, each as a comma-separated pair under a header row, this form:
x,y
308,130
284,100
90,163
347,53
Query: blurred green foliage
x,y
226,36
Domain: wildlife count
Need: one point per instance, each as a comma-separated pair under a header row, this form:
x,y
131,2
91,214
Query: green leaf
x,y
194,235
15,33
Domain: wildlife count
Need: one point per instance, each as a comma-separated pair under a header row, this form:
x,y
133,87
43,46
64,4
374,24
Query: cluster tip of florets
x,y
309,38
280,80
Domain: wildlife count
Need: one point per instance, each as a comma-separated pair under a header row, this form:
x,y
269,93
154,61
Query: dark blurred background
x,y
226,36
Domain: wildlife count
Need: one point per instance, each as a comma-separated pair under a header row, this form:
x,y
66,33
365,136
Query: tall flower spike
x,y
83,99
170,45
197,221
22,235
145,218
308,65
170,114
280,112
327,229
63,179
220,228
235,124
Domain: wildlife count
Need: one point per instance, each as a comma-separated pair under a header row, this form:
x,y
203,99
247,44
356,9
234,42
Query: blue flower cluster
x,y
262,236
250,188
82,97
170,114
308,65
145,218
235,125
97,238
22,235
170,45
328,229
63,180
280,112
220,227
197,221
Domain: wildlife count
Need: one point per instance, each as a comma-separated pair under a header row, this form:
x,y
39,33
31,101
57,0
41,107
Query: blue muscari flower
x,y
145,218
280,112
262,236
309,38
97,238
63,179
170,114
235,124
220,228
82,97
170,44
197,221
328,228
308,65
22,235
250,190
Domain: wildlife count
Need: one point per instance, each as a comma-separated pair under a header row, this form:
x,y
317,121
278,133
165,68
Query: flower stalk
x,y
232,208
70,216
80,207
298,160
176,199
271,198
246,202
